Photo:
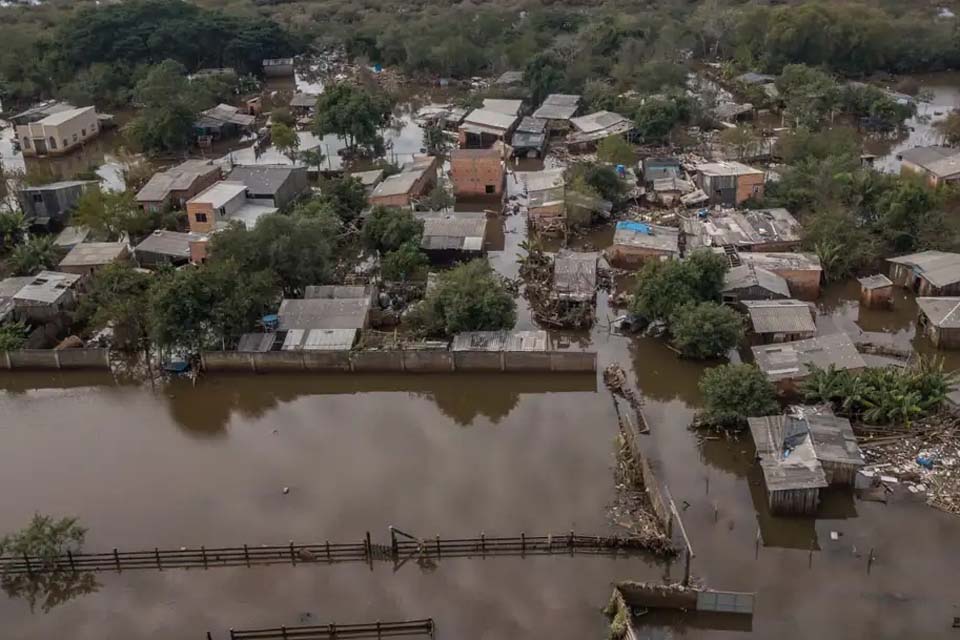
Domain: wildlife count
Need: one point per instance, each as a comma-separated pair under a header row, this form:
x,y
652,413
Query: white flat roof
x,y
219,193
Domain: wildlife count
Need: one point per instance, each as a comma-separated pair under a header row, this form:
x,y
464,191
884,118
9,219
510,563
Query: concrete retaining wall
x,y
412,361
51,359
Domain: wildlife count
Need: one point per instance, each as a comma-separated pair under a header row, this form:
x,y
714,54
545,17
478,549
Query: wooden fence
x,y
401,548
335,631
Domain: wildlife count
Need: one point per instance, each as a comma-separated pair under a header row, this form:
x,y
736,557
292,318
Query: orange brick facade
x,y
477,172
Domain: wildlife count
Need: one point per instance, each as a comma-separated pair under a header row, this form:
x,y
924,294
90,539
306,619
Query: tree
x,y
439,199
111,214
313,158
13,226
282,115
170,107
663,287
296,250
544,75
408,262
118,296
285,139
743,141
354,114
386,229
734,392
435,141
469,297
36,254
13,335
46,539
706,330
949,127
616,150
596,179
345,197
808,93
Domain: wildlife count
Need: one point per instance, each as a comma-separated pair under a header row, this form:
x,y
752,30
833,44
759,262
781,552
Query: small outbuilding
x,y
478,172
786,365
482,128
271,185
529,138
558,109
52,202
937,165
939,320
327,307
369,179
928,273
773,321
590,129
575,277
46,296
729,183
166,248
88,257
747,282
635,243
415,179
802,271
791,471
173,187
876,291
448,237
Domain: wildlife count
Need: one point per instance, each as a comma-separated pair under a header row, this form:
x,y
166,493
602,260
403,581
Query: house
x,y
545,191
327,318
166,248
939,165
303,104
786,364
277,67
731,112
802,271
453,236
659,169
9,287
171,188
507,107
748,282
575,277
669,191
88,257
59,132
369,179
496,341
928,273
758,79
557,110
482,128
773,321
802,452
319,339
729,183
40,111
52,202
763,230
46,296
477,172
590,129
222,121
939,320
876,291
271,185
529,138
221,203
635,243
415,179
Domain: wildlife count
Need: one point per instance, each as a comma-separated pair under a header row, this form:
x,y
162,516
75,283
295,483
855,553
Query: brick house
x,y
477,172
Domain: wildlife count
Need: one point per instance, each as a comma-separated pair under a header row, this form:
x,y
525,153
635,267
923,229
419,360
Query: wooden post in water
x,y
26,559
246,555
203,556
810,560
438,547
379,635
232,637
523,544
483,543
116,558
394,546
293,557
156,554
756,555
283,632
70,558
870,561
329,559
570,542
369,550
686,568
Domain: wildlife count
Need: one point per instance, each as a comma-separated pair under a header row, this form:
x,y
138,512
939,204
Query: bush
x,y
36,254
663,287
470,297
13,335
734,392
387,229
406,263
706,330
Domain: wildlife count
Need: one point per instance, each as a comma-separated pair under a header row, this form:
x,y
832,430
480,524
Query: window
x,y
83,132
490,188
26,143
74,137
38,197
53,143
66,143
201,217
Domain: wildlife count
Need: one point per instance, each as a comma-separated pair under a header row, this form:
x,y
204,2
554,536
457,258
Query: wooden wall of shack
x,y
904,276
794,501
838,473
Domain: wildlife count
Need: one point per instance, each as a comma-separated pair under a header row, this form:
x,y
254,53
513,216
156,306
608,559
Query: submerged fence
x,y
402,548
38,359
335,631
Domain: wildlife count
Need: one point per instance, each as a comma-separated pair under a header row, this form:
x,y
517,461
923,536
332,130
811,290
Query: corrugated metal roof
x,y
654,237
575,275
92,254
558,106
940,268
170,243
786,261
746,276
456,231
501,341
256,342
490,119
790,360
47,287
786,452
780,316
878,281
323,313
320,339
942,312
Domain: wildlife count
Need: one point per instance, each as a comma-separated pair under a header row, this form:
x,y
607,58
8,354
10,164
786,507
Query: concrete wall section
x,y
50,359
428,361
363,361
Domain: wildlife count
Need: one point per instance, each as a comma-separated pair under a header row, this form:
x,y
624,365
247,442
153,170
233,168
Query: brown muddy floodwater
x,y
450,455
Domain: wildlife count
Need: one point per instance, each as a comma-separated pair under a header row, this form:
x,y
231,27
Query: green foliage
x,y
435,141
734,392
297,251
658,116
282,115
799,145
118,296
408,262
386,229
170,107
13,226
344,197
890,395
439,199
544,75
45,538
616,150
36,254
597,179
13,335
705,330
663,287
842,244
110,214
211,305
284,139
354,114
469,297
950,127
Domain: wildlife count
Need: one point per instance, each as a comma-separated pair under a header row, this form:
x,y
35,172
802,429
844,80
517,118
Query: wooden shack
x,y
876,291
791,471
939,320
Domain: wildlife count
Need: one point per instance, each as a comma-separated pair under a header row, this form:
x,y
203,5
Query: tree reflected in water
x,y
49,590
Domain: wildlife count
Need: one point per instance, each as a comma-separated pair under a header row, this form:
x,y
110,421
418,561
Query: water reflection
x,y
49,590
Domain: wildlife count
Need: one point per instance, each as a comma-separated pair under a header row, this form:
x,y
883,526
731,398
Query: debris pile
x,y
924,461
631,509
615,378
537,275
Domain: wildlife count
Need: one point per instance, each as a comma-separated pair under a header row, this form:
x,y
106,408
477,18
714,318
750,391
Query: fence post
x,y
26,559
431,626
523,544
246,555
156,553
209,636
378,630
438,547
116,558
393,543
203,555
686,568
570,542
329,559
483,542
293,558
283,632
70,558
232,637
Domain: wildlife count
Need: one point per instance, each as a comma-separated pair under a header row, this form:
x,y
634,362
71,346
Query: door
x,y
41,146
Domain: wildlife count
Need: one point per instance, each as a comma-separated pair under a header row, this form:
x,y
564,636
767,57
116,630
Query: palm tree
x,y
13,226
34,255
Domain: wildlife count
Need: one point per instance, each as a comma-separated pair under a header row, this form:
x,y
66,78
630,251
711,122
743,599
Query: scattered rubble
x,y
615,378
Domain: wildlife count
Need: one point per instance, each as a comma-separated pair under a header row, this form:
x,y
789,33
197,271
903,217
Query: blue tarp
x,y
638,227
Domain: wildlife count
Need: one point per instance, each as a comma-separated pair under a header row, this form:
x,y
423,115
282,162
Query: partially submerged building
x,y
635,243
802,271
773,321
749,282
46,296
303,104
545,191
222,203
507,107
928,273
222,121
56,128
9,287
803,452
482,128
52,202
496,341
162,248
939,320
590,129
557,110
876,291
529,138
88,257
271,185
786,365
415,179
658,168
449,237
277,67
171,188
770,230
937,165
478,172
327,318
729,183
575,277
